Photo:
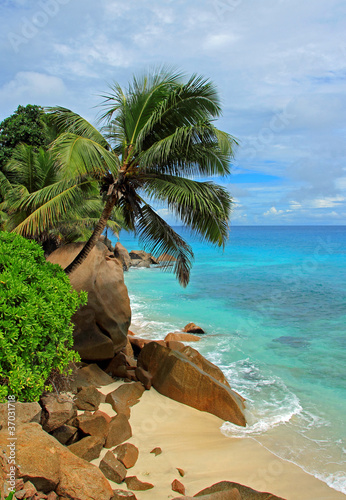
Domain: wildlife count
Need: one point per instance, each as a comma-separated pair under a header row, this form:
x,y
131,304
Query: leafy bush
x,y
36,306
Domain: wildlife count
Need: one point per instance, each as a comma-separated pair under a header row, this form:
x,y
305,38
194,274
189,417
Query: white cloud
x,y
31,87
273,212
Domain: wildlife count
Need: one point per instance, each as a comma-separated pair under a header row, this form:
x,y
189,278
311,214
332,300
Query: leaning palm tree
x,y
158,136
40,204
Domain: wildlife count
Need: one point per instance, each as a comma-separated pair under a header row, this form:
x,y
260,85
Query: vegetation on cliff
x,y
36,306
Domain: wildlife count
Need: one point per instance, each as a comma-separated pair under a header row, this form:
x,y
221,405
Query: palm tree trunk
x,y
89,245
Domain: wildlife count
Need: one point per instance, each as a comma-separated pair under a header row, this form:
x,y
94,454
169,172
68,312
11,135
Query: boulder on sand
x,y
180,379
245,492
101,325
49,466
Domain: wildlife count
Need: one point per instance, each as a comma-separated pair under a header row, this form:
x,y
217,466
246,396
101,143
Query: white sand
x,y
191,440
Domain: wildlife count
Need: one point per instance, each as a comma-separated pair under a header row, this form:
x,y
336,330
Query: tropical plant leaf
x,y
204,207
82,156
158,237
65,120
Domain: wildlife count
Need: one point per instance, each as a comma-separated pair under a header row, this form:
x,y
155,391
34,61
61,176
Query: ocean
x,y
273,305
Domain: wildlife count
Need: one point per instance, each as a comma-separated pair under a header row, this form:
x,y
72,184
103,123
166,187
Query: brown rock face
x,y
112,468
117,367
123,255
90,375
25,412
100,326
192,328
182,337
94,425
144,377
178,487
224,495
57,410
204,364
88,448
245,492
125,396
65,434
133,483
88,398
119,431
180,379
49,465
127,453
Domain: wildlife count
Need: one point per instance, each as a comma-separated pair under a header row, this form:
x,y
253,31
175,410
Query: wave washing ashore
x,y
274,308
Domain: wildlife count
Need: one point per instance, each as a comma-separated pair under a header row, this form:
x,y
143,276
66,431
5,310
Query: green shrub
x,y
36,306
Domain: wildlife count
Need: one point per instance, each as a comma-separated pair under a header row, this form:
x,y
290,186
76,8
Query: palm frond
x,y
82,156
158,237
65,120
49,205
5,185
204,207
190,150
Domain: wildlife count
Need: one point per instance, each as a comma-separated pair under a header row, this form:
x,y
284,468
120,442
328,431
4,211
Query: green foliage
x,y
26,125
36,306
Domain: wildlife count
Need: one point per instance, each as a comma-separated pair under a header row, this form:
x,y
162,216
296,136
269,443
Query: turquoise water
x,y
273,305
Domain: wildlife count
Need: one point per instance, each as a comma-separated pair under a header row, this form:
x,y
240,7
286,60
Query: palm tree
x,y
40,204
158,136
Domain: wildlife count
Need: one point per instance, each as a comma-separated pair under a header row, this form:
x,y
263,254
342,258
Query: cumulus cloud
x,y
31,87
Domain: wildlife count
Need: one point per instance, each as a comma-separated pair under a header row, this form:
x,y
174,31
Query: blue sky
x,y
279,65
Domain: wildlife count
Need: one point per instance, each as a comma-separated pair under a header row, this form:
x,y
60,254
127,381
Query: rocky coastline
x,y
137,419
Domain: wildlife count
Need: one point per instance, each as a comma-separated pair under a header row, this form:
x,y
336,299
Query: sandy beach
x,y
191,440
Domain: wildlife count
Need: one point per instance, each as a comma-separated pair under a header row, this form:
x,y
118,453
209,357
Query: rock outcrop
x,y
49,466
123,255
245,492
178,378
100,326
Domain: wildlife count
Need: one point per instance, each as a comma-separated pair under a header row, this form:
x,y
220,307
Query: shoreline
x,y
262,438
191,440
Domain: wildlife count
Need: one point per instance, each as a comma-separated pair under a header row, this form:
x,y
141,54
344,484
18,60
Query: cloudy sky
x,y
279,65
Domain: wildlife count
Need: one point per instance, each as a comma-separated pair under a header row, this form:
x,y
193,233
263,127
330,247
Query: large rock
x,y
127,453
223,495
123,255
180,379
246,493
57,410
201,362
93,425
66,434
90,375
100,326
192,328
119,431
181,337
50,466
140,257
88,448
125,396
88,398
25,412
112,468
